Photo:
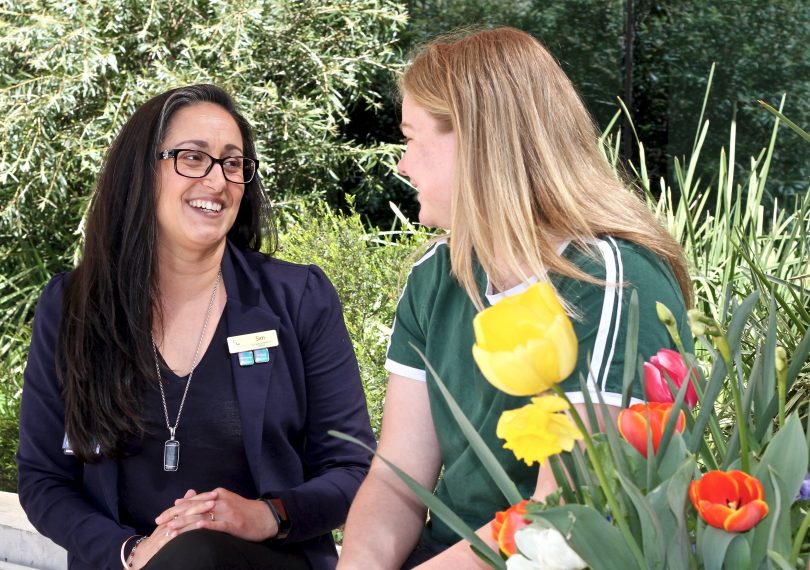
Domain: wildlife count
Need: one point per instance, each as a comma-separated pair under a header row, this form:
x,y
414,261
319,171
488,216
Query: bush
x,y
368,269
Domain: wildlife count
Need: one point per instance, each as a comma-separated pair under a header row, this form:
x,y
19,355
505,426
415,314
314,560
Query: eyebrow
x,y
204,144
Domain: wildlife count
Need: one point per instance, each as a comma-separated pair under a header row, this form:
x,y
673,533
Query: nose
x,y
401,168
216,177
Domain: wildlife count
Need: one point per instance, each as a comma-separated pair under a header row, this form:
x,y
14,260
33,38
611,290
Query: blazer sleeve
x,y
335,400
50,482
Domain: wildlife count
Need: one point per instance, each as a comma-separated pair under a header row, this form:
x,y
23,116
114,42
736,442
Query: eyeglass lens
x,y
196,164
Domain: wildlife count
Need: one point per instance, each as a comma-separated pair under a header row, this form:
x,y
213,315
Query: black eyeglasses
x,y
196,164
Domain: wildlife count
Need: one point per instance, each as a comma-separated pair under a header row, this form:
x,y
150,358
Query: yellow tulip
x,y
525,343
538,430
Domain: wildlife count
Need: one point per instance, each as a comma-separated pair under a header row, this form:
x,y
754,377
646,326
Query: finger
x,y
188,508
205,520
191,495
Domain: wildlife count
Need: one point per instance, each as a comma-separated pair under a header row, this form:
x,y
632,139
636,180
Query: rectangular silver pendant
x,y
171,455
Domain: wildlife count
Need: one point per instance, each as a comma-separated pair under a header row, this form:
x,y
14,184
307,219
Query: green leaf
x,y
436,506
477,444
765,391
798,358
714,547
786,459
652,533
739,553
780,561
796,128
599,543
679,545
739,318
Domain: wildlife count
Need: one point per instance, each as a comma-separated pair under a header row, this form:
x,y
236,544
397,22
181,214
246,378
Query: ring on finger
x,y
212,516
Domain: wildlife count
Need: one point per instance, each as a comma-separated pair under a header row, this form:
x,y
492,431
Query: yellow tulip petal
x,y
522,372
525,343
561,333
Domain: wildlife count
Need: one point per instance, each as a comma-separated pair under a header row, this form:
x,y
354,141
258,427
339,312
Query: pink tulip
x,y
667,363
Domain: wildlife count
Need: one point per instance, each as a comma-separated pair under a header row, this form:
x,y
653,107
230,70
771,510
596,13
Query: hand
x,y
223,511
150,546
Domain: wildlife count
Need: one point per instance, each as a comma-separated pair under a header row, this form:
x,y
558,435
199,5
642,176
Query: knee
x,y
197,549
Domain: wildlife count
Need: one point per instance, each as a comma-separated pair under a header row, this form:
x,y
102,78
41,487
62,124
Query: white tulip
x,y
543,549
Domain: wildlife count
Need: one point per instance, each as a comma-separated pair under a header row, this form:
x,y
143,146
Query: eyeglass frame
x,y
172,153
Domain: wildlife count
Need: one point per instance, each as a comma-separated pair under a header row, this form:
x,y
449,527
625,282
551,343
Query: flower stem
x,y
797,542
722,346
600,474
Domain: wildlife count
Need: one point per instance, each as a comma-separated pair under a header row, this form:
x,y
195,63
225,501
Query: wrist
x,y
128,548
279,513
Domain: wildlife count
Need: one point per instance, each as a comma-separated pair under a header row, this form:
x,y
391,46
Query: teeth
x,y
206,205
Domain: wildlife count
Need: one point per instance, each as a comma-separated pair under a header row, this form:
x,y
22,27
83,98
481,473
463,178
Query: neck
x,y
186,273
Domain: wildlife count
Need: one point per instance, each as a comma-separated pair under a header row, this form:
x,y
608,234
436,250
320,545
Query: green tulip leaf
x,y
798,358
779,560
677,489
765,388
436,506
652,531
714,547
739,319
713,389
739,553
477,444
598,543
781,471
671,461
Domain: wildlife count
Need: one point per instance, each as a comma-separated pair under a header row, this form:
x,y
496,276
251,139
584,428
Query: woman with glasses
x,y
504,155
180,384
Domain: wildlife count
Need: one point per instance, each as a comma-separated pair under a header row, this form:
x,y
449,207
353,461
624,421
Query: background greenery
x,y
316,80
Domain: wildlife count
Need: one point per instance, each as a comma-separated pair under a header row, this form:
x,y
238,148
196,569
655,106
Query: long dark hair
x,y
105,360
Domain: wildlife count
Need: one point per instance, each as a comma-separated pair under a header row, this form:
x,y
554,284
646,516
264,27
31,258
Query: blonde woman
x,y
505,157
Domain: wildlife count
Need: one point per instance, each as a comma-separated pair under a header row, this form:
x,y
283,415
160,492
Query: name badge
x,y
252,341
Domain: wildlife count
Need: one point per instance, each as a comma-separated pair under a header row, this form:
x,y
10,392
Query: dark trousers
x,y
210,550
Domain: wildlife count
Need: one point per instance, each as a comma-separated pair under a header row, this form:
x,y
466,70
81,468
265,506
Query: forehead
x,y
416,117
203,121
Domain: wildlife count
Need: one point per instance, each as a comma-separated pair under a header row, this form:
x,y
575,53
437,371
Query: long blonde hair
x,y
529,172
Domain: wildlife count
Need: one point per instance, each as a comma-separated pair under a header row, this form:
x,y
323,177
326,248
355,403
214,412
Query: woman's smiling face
x,y
195,214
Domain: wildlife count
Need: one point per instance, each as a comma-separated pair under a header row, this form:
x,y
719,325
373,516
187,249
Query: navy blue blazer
x,y
311,385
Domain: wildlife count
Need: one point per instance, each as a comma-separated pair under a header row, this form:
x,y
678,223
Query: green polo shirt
x,y
435,315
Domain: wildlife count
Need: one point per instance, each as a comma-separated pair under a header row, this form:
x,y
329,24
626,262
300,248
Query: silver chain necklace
x,y
171,449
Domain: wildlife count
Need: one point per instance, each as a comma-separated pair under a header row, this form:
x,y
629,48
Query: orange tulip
x,y
506,524
733,501
633,423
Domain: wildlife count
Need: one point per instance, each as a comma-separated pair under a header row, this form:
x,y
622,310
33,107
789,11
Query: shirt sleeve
x,y
408,334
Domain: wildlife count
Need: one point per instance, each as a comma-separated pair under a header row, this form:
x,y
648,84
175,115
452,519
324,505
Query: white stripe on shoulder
x,y
600,345
406,371
619,291
610,398
429,253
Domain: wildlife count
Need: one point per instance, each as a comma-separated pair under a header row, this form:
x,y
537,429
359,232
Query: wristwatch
x,y
279,513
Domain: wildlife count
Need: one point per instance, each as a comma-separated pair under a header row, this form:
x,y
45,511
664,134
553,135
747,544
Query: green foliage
x,y
732,248
367,269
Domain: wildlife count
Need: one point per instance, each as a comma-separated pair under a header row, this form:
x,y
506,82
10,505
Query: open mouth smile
x,y
205,205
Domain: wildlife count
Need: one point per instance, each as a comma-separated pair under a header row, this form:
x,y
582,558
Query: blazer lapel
x,y
246,313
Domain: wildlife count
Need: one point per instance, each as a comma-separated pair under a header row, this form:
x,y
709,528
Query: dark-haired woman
x,y
180,384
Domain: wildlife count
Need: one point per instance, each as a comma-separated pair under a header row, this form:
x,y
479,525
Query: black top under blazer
x,y
311,385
